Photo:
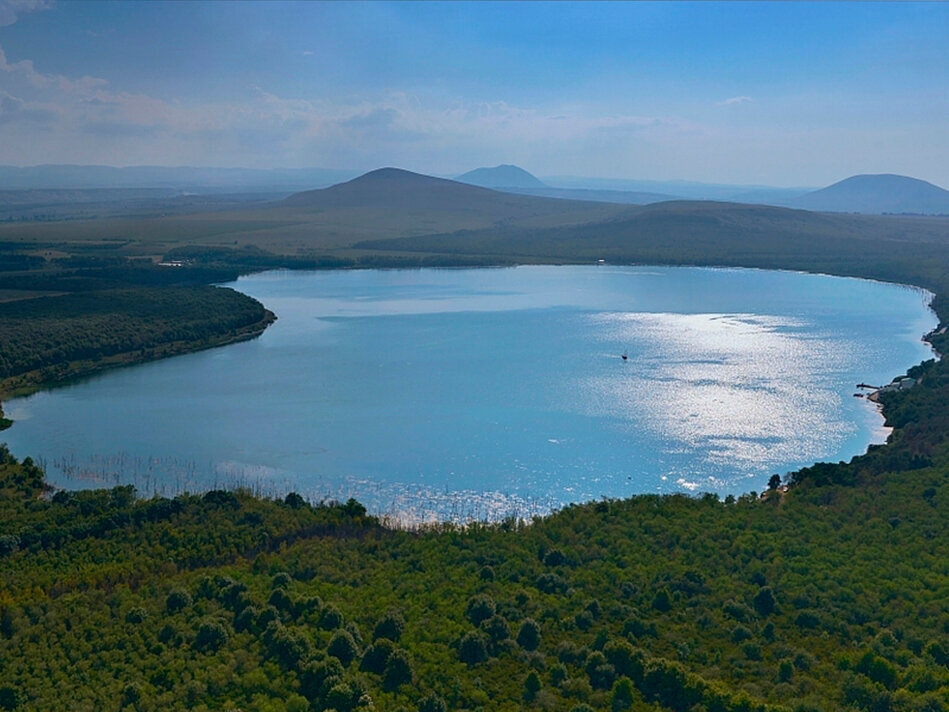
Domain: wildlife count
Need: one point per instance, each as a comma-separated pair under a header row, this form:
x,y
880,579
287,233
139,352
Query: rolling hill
x,y
878,194
712,233
382,204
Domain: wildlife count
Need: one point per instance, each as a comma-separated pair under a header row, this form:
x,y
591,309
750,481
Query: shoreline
x,y
81,369
32,381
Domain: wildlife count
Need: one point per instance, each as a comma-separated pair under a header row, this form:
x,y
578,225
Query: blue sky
x,y
787,94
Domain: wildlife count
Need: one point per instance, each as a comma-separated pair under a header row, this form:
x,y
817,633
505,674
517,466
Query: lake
x,y
484,393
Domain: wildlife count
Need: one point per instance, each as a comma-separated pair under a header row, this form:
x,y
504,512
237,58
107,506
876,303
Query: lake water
x,y
491,392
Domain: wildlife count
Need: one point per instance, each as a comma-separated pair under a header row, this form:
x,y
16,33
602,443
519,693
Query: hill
x,y
710,233
877,194
503,176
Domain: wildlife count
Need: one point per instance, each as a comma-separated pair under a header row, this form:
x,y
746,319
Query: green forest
x,y
47,336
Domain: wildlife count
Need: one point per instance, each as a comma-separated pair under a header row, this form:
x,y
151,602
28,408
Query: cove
x,y
485,393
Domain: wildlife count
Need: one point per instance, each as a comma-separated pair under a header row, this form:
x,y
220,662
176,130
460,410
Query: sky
x,y
780,94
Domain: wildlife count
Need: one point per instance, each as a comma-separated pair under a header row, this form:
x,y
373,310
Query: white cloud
x,y
24,71
736,100
11,9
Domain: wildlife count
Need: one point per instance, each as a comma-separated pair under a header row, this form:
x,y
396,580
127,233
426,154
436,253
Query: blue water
x,y
491,392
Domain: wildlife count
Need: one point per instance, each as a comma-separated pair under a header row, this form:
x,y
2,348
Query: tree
x,y
473,648
331,618
10,698
774,482
480,608
531,686
390,626
662,601
623,694
376,656
497,629
764,601
343,647
177,600
398,670
528,636
211,635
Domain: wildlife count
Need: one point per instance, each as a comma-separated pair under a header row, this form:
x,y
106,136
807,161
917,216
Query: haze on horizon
x,y
783,94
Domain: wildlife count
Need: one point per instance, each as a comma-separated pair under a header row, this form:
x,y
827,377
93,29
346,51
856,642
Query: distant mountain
x,y
395,202
504,176
393,188
399,190
876,194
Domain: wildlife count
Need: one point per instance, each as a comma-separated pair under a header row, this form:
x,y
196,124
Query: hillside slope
x,y
877,194
684,232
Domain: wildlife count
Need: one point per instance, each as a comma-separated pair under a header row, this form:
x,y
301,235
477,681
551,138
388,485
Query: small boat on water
x,y
624,356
